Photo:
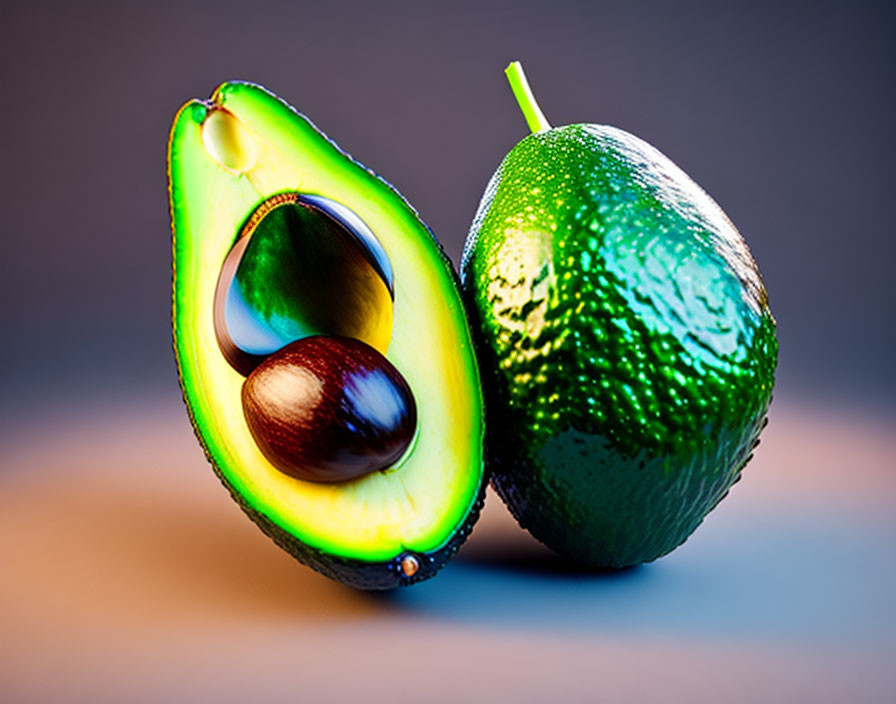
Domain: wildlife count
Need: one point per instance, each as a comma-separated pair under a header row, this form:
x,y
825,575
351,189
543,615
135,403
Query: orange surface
x,y
129,575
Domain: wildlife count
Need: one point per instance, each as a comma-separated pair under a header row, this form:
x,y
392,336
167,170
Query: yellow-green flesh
x,y
215,185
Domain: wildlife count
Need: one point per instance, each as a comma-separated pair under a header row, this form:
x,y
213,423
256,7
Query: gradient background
x,y
126,572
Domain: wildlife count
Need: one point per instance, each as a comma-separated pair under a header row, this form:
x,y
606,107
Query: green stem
x,y
523,93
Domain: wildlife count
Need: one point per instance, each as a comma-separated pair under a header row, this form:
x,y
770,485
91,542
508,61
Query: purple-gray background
x,y
784,112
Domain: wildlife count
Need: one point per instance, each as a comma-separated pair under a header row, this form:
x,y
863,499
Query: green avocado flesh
x,y
228,156
626,344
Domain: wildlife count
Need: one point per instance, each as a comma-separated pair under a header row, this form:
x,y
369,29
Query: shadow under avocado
x,y
534,560
488,563
786,578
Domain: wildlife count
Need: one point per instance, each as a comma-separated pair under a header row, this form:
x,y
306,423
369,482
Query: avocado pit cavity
x,y
302,265
329,409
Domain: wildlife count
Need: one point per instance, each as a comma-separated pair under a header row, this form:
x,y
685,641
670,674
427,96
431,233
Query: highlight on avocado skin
x,y
322,345
625,339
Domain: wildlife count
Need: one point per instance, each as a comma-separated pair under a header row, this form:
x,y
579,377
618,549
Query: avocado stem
x,y
523,93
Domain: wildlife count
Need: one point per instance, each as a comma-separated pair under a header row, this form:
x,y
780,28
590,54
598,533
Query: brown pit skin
x,y
329,409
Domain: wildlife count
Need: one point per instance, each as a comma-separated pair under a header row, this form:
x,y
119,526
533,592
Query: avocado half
x,y
229,155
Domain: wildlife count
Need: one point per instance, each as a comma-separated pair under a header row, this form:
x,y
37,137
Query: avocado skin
x,y
625,342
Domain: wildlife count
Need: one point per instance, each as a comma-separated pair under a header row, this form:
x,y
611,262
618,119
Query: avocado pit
x,y
329,409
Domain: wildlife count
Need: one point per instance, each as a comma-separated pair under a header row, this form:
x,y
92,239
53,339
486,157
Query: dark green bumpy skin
x,y
625,341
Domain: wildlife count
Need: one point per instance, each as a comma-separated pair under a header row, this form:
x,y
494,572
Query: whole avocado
x,y
626,344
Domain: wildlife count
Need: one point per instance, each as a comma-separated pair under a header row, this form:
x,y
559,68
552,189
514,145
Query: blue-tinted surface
x,y
114,535
797,579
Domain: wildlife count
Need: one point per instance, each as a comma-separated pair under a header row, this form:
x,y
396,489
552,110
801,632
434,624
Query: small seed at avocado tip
x,y
228,142
409,565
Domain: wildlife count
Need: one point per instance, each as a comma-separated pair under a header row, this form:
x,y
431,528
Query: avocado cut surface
x,y
228,156
627,347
